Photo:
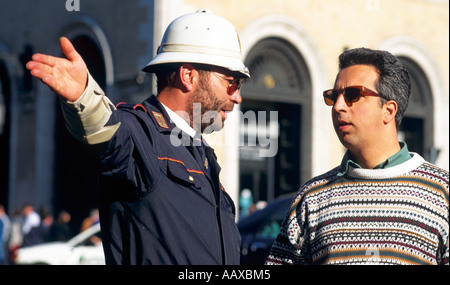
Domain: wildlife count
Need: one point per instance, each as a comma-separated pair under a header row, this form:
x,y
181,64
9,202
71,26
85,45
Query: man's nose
x,y
236,97
340,103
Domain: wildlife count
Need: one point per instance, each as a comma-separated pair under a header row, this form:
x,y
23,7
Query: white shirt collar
x,y
179,121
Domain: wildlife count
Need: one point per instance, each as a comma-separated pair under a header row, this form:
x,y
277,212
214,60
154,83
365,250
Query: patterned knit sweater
x,y
397,215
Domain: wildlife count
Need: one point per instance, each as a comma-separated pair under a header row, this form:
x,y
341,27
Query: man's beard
x,y
204,108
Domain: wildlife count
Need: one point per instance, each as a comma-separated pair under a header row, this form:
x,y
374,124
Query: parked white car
x,y
77,251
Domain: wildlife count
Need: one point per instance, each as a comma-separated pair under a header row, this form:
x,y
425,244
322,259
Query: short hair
x,y
393,78
166,75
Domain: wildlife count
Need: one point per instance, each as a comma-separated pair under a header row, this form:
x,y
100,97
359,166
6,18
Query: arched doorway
x,y
280,83
76,166
5,110
417,126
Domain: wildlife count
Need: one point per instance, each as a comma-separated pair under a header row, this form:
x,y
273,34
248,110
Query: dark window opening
x,y
417,126
279,82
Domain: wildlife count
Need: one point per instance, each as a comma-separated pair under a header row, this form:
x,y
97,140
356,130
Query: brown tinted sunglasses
x,y
351,94
233,85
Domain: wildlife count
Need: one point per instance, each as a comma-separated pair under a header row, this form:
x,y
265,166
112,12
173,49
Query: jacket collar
x,y
165,124
179,122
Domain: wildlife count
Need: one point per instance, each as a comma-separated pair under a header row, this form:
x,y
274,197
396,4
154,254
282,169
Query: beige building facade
x,y
417,31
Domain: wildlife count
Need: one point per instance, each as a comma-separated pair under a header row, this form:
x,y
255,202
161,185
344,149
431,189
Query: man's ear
x,y
187,75
390,110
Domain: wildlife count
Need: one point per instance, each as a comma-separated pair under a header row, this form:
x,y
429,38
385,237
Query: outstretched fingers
x,y
65,76
39,69
44,59
43,67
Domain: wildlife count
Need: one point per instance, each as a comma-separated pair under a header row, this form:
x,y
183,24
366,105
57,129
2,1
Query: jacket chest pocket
x,y
177,171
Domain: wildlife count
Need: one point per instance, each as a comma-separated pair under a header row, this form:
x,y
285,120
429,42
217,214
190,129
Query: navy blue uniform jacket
x,y
158,204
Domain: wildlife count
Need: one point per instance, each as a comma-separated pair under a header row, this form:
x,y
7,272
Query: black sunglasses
x,y
351,94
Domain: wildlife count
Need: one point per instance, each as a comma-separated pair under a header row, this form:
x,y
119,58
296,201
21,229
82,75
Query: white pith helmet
x,y
203,38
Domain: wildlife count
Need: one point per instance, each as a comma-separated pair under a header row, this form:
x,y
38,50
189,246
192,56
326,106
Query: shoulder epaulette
x,y
140,107
160,120
129,106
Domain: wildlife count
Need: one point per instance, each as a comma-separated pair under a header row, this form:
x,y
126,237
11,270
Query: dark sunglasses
x,y
233,84
351,94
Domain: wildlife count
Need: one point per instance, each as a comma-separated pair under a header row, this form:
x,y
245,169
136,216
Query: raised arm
x,y
85,106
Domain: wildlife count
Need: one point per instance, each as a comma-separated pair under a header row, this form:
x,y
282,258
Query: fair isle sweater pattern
x,y
397,215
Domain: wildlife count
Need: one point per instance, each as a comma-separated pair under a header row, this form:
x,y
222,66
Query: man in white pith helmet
x,y
162,201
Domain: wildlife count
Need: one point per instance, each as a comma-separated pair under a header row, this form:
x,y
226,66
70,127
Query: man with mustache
x,y
161,202
383,204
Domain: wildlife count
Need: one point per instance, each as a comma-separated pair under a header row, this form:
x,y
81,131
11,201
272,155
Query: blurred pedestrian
x,y
5,234
91,220
39,234
16,237
88,222
2,252
60,230
245,202
31,218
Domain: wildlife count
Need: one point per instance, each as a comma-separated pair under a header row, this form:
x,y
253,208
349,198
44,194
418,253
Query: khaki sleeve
x,y
86,118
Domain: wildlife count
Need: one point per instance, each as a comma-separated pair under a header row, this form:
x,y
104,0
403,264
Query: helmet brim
x,y
232,64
